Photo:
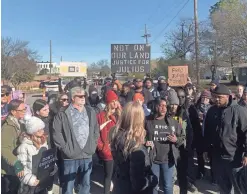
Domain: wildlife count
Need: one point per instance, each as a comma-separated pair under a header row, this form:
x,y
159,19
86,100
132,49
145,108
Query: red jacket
x,y
103,147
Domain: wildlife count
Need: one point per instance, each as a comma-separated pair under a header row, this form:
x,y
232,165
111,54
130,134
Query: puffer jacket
x,y
25,153
103,146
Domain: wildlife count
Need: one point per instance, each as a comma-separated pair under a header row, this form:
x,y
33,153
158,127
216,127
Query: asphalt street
x,y
97,177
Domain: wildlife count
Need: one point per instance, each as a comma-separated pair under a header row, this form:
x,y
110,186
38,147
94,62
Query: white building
x,y
73,69
46,65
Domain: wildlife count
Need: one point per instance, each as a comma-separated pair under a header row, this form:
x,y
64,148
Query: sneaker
x,y
192,188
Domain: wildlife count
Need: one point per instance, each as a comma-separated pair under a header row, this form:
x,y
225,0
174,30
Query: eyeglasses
x,y
80,96
22,110
64,99
6,94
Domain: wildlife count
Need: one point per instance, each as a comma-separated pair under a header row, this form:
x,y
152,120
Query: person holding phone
x,y
164,135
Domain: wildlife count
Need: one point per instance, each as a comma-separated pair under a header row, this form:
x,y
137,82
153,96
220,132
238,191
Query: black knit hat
x,y
222,90
38,105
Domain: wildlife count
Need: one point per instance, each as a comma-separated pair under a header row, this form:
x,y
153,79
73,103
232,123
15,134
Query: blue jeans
x,y
68,175
167,172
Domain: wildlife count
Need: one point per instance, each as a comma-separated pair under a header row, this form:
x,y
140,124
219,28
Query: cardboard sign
x,y
43,164
177,75
130,58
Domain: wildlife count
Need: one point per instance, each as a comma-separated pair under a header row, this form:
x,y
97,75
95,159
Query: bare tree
x,y
17,59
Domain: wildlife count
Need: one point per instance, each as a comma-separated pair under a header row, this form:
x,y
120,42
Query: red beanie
x,y
110,96
138,96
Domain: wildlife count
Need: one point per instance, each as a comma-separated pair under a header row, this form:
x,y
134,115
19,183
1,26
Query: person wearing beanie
x,y
140,89
107,119
10,131
33,142
225,133
138,97
94,99
213,84
75,133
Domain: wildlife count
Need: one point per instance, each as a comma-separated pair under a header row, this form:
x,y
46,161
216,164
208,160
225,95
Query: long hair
x,y
129,130
108,111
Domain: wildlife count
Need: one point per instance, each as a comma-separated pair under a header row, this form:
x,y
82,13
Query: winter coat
x,y
65,140
125,98
25,152
9,141
226,131
103,146
133,175
169,91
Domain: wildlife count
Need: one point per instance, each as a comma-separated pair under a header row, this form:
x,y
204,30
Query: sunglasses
x,y
6,94
65,99
80,96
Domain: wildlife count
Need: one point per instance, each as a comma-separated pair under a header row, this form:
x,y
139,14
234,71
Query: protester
x,y
102,104
226,134
75,133
9,91
126,94
190,93
197,115
163,90
115,88
213,84
133,169
4,104
32,141
240,91
140,89
166,136
93,98
138,97
107,119
148,83
10,132
62,100
243,100
186,171
76,82
18,94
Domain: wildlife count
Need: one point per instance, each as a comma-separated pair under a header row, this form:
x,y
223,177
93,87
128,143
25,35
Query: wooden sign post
x,y
177,75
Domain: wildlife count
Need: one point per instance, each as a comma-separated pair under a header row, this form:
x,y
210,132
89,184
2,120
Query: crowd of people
x,y
145,136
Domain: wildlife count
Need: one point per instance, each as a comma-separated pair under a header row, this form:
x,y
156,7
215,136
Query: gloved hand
x,y
18,167
54,171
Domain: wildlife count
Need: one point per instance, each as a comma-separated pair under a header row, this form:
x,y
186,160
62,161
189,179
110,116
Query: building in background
x,y
73,69
44,68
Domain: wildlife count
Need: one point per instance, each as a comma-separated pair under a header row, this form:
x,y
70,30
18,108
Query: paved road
x,y
204,186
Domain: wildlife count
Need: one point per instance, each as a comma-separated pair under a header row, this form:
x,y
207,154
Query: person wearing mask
x,y
107,119
226,134
243,100
148,83
140,89
166,136
126,94
4,104
163,90
213,84
240,91
10,131
93,98
132,163
18,94
190,93
140,98
75,134
186,171
197,114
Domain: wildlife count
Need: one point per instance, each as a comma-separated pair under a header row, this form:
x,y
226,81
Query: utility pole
x,y
146,35
196,43
50,57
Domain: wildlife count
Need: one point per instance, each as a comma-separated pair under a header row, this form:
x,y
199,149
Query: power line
x,y
166,15
171,21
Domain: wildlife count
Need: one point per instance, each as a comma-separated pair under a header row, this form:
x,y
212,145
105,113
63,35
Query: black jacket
x,y
125,98
225,130
133,175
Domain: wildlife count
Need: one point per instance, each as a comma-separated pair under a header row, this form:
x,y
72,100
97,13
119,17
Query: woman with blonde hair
x,y
107,119
133,169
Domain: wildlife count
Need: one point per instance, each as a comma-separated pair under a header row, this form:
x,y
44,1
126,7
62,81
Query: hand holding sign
x,y
172,138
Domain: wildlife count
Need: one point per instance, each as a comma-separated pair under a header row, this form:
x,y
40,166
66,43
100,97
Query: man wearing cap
x,y
163,89
126,94
140,89
243,100
226,134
